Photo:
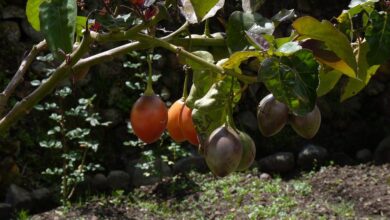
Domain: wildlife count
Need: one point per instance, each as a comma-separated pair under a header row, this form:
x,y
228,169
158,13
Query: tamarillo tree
x,y
296,69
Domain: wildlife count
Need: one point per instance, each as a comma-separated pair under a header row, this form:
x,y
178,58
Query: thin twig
x,y
19,75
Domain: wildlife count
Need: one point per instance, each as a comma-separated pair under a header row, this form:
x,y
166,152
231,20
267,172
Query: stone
x,y
382,152
279,163
10,30
311,156
248,120
42,199
118,179
113,115
99,182
5,211
363,155
34,35
265,176
13,12
18,197
187,164
342,159
142,177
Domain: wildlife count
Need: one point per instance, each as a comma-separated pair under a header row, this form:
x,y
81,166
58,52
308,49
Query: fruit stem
x,y
149,86
229,107
185,90
207,28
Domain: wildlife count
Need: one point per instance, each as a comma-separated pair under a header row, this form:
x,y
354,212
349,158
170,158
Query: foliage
x,y
71,144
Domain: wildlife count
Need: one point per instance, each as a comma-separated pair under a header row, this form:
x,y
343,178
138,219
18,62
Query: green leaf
x,y
378,38
239,22
210,111
324,31
237,58
288,48
199,10
32,12
251,5
365,72
354,86
58,24
80,25
120,22
292,80
327,81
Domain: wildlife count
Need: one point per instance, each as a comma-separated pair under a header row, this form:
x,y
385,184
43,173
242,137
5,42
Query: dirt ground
x,y
349,192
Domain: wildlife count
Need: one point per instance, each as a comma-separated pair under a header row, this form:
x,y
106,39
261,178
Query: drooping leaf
x,y
288,48
239,22
327,81
283,15
292,80
210,111
235,60
327,57
199,10
58,24
251,5
324,31
32,13
378,38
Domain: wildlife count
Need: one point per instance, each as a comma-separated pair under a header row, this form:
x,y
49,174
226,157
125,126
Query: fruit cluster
x,y
273,115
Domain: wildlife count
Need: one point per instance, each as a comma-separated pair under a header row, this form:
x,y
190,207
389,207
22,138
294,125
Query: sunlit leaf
x,y
288,49
237,58
32,12
355,3
199,10
324,31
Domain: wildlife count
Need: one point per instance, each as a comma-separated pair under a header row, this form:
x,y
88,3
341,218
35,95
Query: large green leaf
x,y
292,80
327,81
239,22
32,12
210,111
199,10
324,31
58,24
378,38
365,72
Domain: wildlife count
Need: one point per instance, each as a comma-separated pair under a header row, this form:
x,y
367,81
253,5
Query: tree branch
x,y
18,77
63,71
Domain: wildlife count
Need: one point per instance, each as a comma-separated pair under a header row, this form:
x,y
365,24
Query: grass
x,y
237,196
